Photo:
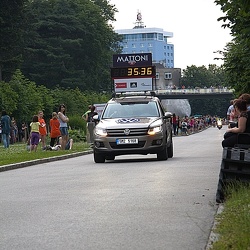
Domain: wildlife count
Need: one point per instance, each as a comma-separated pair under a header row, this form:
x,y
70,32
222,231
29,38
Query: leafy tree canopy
x,y
70,43
237,53
201,77
12,21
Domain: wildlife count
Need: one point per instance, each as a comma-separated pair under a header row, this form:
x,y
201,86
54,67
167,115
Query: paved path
x,y
134,202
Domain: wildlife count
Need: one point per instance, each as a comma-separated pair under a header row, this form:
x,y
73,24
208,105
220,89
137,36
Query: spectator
x,y
57,147
6,129
63,119
34,133
54,129
85,117
230,111
174,123
246,97
91,122
14,131
184,127
230,137
23,132
42,129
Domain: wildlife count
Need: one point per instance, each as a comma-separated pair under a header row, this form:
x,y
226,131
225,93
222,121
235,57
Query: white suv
x,y
133,125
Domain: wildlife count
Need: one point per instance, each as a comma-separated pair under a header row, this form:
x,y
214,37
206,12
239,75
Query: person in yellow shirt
x,y
34,133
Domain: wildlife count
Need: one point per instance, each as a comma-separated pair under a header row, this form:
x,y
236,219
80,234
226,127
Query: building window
x,y
160,36
142,45
150,45
133,45
168,76
157,76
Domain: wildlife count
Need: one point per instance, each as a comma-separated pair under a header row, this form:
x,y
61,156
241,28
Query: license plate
x,y
126,141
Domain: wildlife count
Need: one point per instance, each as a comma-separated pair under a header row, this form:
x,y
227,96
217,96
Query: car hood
x,y
126,122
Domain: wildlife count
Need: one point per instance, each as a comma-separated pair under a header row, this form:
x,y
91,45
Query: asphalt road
x,y
134,202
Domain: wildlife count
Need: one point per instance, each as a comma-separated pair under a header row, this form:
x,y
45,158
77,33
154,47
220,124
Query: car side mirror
x,y
96,117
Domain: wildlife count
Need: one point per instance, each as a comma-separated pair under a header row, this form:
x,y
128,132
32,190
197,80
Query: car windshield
x,y
131,109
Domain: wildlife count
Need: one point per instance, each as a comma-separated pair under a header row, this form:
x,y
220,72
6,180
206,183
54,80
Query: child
x,y
54,129
34,133
42,129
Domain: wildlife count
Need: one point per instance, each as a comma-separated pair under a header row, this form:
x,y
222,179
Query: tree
x,y
70,43
237,53
202,77
28,101
12,22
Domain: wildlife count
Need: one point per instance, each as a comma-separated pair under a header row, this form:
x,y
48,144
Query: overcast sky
x,y
196,31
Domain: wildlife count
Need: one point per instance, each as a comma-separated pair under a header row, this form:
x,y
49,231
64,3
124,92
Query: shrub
x,y
76,122
77,135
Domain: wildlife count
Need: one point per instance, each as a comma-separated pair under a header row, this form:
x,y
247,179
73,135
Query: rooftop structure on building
x,y
141,39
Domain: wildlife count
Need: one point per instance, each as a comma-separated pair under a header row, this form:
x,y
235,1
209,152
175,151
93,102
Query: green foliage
x,y
234,222
202,77
237,53
70,43
12,20
214,106
28,101
77,135
76,122
7,103
22,99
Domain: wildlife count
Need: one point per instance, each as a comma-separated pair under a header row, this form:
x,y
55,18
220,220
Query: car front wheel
x,y
170,151
163,154
99,158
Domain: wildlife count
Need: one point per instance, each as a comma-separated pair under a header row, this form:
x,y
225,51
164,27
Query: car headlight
x,y
154,130
100,131
155,127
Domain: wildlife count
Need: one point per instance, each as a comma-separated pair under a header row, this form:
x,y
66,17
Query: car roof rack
x,y
135,93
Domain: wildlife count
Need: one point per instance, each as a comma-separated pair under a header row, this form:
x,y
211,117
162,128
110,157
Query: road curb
x,y
44,160
213,237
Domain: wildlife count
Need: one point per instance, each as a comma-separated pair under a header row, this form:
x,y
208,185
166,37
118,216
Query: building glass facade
x,y
149,40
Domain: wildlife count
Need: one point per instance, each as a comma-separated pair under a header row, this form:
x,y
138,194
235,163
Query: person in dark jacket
x,y
6,128
243,125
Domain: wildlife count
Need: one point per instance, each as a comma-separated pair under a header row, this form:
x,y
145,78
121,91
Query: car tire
x,y
163,154
170,150
99,158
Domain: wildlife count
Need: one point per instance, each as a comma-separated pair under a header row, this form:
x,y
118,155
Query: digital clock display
x,y
133,72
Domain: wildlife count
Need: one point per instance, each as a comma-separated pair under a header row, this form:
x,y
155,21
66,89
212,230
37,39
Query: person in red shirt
x,y
54,129
42,129
174,123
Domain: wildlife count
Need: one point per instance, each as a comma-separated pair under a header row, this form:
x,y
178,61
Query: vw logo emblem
x,y
126,131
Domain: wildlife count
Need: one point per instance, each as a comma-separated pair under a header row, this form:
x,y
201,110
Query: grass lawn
x,y
233,228
18,153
